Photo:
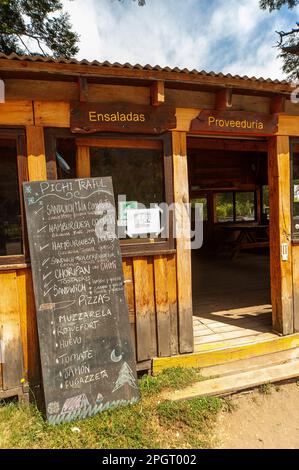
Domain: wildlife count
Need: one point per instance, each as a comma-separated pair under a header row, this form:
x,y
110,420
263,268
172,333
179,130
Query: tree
x,y
36,27
288,42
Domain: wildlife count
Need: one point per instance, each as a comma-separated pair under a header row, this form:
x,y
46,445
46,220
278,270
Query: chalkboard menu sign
x,y
82,315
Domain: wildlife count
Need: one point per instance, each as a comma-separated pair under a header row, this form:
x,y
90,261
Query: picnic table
x,y
249,236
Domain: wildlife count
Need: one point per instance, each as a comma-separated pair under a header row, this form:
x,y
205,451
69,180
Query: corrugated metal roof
x,y
126,65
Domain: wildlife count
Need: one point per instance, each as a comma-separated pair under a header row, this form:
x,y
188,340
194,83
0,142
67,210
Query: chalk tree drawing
x,y
125,376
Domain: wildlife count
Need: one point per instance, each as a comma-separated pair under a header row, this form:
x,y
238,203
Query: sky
x,y
229,36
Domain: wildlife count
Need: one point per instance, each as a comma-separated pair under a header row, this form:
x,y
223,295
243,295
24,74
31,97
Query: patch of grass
x,y
150,423
266,389
174,379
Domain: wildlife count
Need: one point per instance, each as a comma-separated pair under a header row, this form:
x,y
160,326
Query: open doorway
x,y
231,271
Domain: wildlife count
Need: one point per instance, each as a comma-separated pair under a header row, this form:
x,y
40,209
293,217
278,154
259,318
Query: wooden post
x,y
181,197
37,169
280,233
83,89
83,162
157,93
223,99
277,104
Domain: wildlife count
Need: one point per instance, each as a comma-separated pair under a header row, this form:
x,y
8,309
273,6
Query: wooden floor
x,y
231,300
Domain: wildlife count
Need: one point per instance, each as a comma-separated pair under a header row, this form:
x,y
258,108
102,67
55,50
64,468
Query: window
x,y
12,173
141,173
200,200
237,206
295,188
138,181
245,206
265,203
224,207
136,173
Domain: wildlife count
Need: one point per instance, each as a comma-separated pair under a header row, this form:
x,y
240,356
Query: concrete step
x,y
228,384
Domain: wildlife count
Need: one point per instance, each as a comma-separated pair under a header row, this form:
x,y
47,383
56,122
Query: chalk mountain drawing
x,y
75,403
125,376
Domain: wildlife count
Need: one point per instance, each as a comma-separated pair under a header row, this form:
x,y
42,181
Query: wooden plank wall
x,y
159,302
151,291
18,329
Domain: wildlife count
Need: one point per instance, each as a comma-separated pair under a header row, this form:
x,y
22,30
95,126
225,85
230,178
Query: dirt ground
x,y
264,419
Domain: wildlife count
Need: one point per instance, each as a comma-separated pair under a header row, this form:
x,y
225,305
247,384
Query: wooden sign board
x,y
82,316
87,118
234,122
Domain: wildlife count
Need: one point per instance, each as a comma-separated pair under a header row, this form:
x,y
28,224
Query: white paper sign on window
x,y
143,221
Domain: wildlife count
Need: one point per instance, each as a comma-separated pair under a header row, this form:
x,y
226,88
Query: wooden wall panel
x,y
288,125
152,299
130,295
162,306
173,304
69,91
16,113
144,305
187,98
258,104
118,94
280,232
12,368
52,113
40,90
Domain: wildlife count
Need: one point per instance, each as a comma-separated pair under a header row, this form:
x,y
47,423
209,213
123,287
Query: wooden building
x,y
165,135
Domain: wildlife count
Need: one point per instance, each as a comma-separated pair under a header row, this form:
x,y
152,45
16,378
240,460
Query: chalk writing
x,y
79,290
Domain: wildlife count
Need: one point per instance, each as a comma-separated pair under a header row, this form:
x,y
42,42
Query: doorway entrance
x,y
231,270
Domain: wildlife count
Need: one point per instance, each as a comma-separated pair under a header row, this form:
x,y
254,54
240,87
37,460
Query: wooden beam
x,y
52,113
83,162
288,125
37,168
277,104
73,70
182,222
16,113
157,93
280,233
83,89
223,99
227,144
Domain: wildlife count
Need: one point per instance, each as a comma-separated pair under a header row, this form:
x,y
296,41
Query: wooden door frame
x,y
281,283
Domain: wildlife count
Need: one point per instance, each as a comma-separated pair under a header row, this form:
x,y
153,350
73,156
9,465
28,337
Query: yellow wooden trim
x,y
220,356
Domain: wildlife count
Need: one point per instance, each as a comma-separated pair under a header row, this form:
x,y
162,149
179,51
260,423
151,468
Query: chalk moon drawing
x,y
114,357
